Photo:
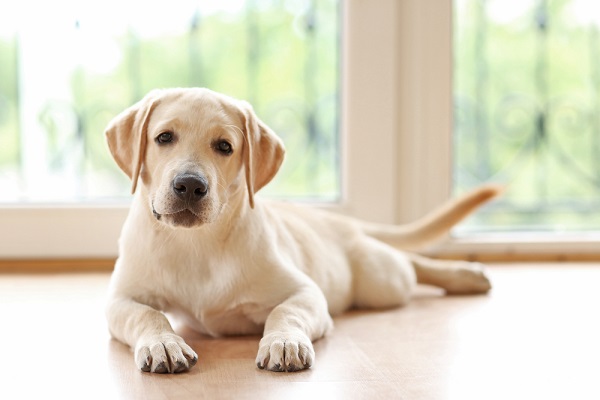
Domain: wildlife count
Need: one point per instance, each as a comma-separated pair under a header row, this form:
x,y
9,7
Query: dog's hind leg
x,y
456,277
382,276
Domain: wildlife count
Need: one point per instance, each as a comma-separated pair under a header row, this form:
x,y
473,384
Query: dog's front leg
x,y
157,348
290,329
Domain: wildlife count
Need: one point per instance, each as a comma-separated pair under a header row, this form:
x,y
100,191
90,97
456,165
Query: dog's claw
x,y
191,360
292,368
276,368
162,368
179,366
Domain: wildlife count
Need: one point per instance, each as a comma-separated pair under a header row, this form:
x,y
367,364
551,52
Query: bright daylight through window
x,y
527,111
69,67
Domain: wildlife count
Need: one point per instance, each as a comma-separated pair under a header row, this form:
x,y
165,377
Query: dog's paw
x,y
469,278
283,351
163,354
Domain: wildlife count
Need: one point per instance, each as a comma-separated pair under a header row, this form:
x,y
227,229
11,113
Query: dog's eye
x,y
224,147
165,137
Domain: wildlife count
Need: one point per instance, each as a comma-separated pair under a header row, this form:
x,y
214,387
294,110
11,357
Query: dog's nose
x,y
190,187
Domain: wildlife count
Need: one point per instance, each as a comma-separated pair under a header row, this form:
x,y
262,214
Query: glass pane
x,y
527,111
68,68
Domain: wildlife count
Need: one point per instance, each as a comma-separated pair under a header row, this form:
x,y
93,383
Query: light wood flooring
x,y
535,336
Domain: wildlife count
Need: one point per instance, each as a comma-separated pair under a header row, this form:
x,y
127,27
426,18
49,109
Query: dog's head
x,y
192,150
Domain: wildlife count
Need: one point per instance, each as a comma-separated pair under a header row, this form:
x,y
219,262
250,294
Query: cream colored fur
x,y
233,264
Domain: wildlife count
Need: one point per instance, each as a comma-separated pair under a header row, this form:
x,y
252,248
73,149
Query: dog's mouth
x,y
185,218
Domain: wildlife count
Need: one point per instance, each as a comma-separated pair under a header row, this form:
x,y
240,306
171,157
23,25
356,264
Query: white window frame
x,y
396,143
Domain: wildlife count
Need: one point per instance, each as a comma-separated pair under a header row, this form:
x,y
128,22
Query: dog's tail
x,y
416,235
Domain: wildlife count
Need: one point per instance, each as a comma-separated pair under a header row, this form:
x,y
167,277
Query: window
x,y
527,106
396,118
421,136
70,68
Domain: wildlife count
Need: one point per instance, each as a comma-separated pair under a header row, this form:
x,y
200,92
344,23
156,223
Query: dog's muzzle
x,y
185,207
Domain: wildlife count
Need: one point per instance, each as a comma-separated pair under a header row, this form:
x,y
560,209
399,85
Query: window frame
x,y
396,138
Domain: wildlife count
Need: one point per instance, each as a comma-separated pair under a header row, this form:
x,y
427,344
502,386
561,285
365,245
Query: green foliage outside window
x,y
282,57
527,111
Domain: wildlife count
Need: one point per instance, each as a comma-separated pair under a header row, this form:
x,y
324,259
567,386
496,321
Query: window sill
x,y
64,231
531,246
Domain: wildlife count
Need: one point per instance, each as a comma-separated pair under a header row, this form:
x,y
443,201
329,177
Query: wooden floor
x,y
535,336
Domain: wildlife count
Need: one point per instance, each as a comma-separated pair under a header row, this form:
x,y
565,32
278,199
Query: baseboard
x,y
56,265
107,264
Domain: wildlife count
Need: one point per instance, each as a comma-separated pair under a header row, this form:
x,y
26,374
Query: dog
x,y
200,246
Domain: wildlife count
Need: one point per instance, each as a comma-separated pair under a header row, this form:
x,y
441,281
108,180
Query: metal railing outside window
x,y
527,111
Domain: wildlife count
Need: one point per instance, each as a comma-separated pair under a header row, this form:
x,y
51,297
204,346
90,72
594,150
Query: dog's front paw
x,y
166,353
284,351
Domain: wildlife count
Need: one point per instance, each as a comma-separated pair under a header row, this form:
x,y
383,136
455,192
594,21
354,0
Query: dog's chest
x,y
213,298
228,317
213,322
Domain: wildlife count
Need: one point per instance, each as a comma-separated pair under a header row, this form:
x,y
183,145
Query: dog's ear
x,y
263,152
126,136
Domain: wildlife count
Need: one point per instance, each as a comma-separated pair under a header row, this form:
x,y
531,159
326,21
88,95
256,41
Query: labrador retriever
x,y
197,244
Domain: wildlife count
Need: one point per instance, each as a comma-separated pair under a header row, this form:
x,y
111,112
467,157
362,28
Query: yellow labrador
x,y
199,245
